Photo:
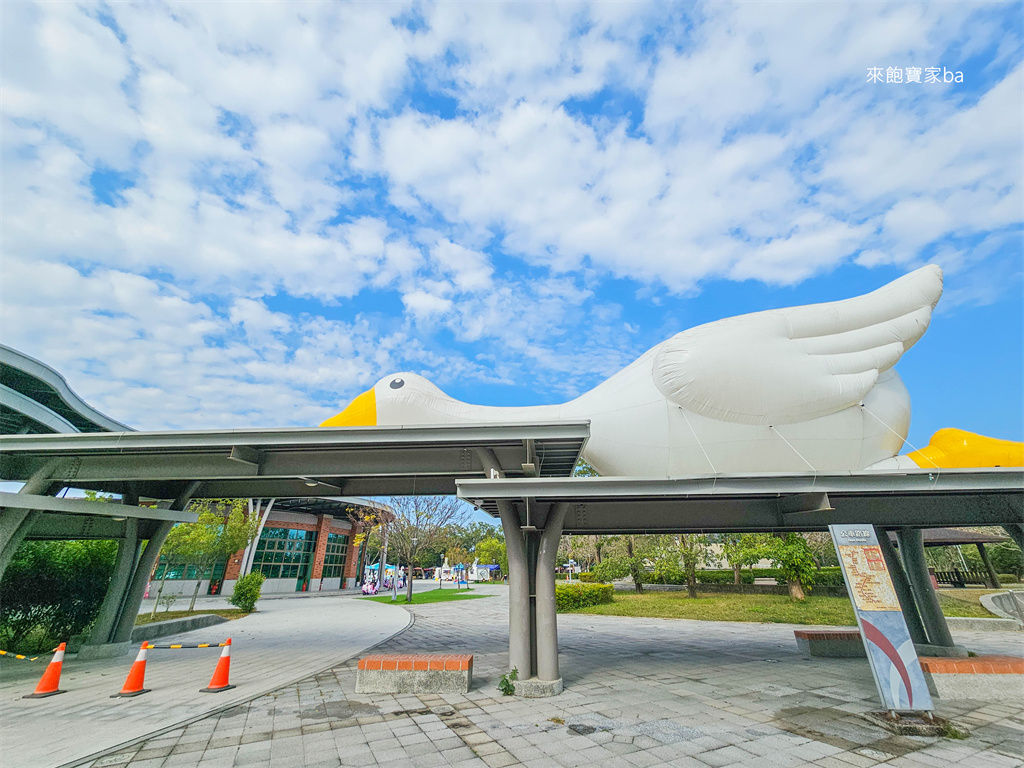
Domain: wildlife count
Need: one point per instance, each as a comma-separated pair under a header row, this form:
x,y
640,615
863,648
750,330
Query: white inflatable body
x,y
788,390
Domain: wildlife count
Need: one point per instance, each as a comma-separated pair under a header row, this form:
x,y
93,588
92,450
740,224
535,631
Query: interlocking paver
x,y
639,693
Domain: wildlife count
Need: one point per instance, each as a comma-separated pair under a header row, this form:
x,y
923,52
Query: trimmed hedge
x,y
1008,578
587,578
572,597
668,574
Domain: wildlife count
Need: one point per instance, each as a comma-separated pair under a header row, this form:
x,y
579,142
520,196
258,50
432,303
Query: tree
x,y
52,590
458,555
421,522
790,553
223,528
493,552
823,550
694,551
172,555
742,549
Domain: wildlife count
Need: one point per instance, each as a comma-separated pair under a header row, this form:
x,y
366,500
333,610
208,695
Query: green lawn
x,y
776,609
227,613
429,596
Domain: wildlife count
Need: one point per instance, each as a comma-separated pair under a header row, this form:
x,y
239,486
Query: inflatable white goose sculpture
x,y
786,390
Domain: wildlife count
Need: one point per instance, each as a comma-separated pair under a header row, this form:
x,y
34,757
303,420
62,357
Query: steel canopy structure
x,y
285,463
536,512
35,398
772,502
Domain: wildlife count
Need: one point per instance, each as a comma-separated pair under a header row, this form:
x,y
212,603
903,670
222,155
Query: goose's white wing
x,y
789,365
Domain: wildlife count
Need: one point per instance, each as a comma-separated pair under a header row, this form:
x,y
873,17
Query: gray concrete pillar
x,y
127,549
125,622
904,592
520,624
520,621
16,523
546,626
1016,532
993,577
911,541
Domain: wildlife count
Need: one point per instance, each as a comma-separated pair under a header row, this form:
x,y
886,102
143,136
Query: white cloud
x,y
288,158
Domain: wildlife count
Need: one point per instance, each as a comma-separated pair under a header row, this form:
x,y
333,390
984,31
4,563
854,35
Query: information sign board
x,y
891,654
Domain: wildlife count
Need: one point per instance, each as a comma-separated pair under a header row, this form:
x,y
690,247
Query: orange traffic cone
x,y
219,681
136,676
51,677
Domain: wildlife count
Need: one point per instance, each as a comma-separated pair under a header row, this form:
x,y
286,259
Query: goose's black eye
x,y
397,383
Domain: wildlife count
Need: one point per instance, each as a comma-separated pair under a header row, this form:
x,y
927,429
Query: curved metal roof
x,y
34,398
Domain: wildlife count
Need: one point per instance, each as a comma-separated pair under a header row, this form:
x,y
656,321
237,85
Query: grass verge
x,y
227,613
429,596
774,609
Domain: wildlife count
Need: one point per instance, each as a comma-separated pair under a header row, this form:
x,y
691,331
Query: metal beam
x,y
274,463
245,455
464,435
769,485
87,507
768,502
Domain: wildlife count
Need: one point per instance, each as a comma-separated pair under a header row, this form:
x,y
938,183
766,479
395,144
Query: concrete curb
x,y
231,705
990,605
175,626
982,625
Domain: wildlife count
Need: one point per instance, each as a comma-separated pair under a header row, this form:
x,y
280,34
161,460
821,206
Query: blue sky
x,y
224,216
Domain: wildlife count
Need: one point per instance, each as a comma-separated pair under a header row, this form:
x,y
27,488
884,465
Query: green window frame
x,y
283,553
335,555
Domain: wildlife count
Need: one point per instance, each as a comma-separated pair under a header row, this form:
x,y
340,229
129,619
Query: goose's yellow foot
x,y
953,448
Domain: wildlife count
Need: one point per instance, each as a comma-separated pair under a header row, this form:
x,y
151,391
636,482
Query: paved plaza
x,y
640,693
286,640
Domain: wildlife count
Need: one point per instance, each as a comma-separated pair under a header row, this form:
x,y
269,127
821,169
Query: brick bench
x,y
830,643
415,673
987,678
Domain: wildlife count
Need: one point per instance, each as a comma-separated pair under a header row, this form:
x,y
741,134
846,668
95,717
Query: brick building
x,y
304,545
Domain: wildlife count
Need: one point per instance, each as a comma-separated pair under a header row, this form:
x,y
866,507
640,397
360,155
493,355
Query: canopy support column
x,y
143,567
546,626
904,592
532,630
911,541
1016,532
16,523
990,571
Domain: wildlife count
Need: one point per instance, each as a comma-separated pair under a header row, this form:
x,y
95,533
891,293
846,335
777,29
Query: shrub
x,y
507,682
51,591
723,577
609,569
247,591
587,577
829,577
571,597
1008,578
1006,558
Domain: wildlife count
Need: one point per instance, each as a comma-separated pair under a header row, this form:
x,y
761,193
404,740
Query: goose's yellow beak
x,y
361,412
958,448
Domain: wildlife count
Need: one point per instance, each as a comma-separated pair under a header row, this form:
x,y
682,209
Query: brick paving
x,y
639,693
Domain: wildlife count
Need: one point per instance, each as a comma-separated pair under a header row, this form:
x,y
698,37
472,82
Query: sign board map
x,y
891,654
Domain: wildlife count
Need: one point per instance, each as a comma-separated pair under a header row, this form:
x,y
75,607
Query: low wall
x,y
415,673
179,587
175,626
1008,605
